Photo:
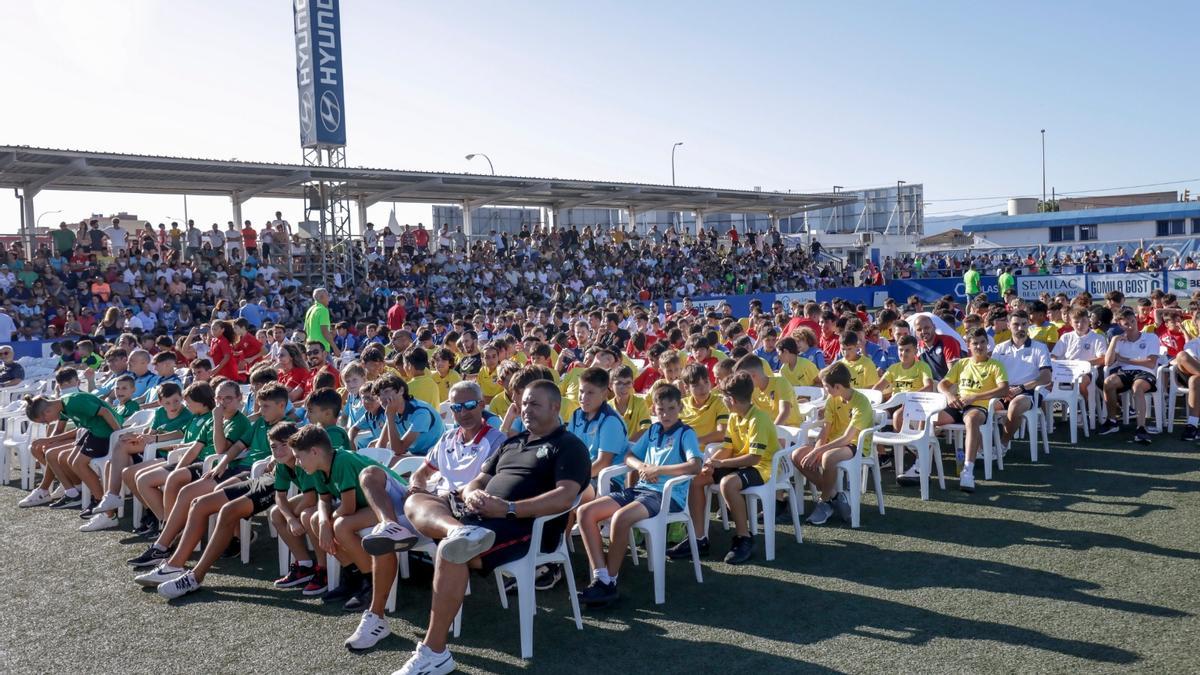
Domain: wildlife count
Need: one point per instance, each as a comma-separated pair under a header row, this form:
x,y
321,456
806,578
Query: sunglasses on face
x,y
459,407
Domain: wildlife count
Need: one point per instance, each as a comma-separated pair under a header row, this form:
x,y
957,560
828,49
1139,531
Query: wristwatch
x,y
512,511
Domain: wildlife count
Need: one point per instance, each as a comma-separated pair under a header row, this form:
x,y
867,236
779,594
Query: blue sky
x,y
783,95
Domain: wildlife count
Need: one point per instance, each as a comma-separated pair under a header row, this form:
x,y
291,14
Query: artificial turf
x,y
1085,561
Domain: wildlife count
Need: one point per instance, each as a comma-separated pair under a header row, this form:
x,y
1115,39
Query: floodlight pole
x,y
679,143
1044,205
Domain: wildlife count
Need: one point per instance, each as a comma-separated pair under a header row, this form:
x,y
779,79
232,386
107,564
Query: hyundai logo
x,y
331,111
306,112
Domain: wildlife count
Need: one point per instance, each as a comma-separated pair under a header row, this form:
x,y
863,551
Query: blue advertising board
x,y
319,73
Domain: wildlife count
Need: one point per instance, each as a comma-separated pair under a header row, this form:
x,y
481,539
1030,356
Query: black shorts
x,y
956,414
1182,379
197,470
749,476
92,446
512,540
260,491
1128,377
1035,395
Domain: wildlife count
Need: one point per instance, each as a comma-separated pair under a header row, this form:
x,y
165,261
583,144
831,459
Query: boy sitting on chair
x,y
670,448
847,413
744,462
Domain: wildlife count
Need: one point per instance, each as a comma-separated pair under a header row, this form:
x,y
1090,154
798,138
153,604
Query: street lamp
x,y
673,160
1044,206
38,222
473,155
899,208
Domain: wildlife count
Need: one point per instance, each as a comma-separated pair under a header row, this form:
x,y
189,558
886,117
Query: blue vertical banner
x,y
319,73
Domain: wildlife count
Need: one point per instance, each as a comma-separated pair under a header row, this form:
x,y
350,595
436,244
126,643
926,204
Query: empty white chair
x,y
917,432
1065,380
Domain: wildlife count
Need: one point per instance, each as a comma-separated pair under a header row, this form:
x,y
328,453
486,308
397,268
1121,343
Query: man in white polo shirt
x,y
1131,359
1028,365
449,467
1187,373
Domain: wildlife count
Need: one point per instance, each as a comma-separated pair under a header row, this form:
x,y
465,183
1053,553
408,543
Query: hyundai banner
x,y
319,73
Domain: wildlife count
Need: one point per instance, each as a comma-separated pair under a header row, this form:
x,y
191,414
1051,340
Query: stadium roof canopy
x,y
37,169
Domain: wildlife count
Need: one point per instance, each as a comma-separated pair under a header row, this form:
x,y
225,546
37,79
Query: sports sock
x,y
73,492
969,466
602,576
156,547
1193,421
304,563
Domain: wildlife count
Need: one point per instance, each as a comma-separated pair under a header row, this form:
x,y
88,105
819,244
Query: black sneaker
x,y
887,461
1108,427
67,502
361,599
1142,436
148,526
741,551
510,584
783,514
548,577
1190,433
234,549
352,581
90,511
682,550
598,594
151,557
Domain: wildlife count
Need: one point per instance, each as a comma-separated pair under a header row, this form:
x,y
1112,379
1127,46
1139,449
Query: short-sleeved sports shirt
x,y
754,434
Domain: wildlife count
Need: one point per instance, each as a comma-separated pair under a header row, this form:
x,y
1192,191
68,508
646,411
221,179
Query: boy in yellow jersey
x,y
971,386
500,402
702,410
568,385
633,408
488,378
420,385
863,373
1040,327
797,370
542,354
847,414
744,462
910,374
773,394
444,375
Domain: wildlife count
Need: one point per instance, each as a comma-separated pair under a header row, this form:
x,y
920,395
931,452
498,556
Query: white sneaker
x,y
100,521
425,662
371,629
110,502
464,543
911,475
158,575
388,537
36,498
966,482
179,586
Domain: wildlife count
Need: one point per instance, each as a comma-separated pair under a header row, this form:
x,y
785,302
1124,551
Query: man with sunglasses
x,y
11,372
455,461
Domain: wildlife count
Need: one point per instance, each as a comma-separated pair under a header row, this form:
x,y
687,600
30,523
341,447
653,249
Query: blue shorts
x,y
651,499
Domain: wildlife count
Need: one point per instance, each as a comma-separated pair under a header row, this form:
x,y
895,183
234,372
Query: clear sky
x,y
783,95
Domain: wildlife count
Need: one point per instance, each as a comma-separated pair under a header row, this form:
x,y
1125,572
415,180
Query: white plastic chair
x,y
148,453
989,443
917,432
1066,377
1174,391
780,480
857,470
524,570
655,529
136,424
1155,400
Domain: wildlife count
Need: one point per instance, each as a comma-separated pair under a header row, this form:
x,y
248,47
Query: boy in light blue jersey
x,y
598,425
670,448
412,426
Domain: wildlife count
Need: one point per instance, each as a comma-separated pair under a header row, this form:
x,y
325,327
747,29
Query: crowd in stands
x,y
953,264
90,280
515,370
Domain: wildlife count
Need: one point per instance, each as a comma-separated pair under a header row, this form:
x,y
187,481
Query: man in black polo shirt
x,y
535,473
